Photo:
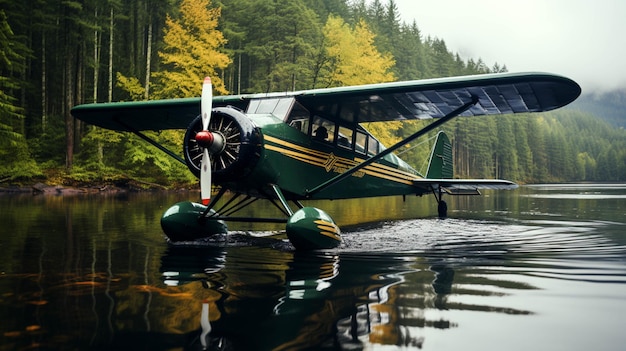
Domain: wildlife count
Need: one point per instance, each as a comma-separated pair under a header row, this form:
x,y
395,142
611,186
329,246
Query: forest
x,y
58,54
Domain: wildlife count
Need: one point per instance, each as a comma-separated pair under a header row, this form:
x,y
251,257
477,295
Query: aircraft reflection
x,y
262,298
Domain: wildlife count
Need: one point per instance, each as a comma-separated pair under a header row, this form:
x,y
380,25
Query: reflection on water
x,y
543,267
324,300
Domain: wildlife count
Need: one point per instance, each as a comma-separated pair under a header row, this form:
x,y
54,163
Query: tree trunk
x,y
111,57
239,75
96,59
44,96
148,60
69,102
79,95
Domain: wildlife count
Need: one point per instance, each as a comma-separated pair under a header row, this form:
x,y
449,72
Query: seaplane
x,y
286,148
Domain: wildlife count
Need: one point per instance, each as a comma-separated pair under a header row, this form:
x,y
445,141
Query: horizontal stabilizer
x,y
465,186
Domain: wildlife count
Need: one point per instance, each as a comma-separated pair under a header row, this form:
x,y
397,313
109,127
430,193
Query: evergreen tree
x,y
524,154
11,62
283,41
15,160
506,152
442,59
324,8
537,140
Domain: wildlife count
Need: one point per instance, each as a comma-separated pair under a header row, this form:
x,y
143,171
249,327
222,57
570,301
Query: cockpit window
x,y
323,129
283,107
319,128
278,107
299,118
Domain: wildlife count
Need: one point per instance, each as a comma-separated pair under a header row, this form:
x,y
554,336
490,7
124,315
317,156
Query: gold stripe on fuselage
x,y
326,160
390,170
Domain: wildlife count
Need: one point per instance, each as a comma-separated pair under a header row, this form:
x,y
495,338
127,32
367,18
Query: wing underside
x,y
502,93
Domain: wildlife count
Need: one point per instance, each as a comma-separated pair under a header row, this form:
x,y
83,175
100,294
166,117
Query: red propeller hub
x,y
205,138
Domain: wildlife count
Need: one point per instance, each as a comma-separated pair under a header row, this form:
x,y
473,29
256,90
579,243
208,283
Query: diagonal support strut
x,y
419,133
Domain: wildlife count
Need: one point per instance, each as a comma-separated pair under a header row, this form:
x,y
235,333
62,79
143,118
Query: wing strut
x,y
152,142
419,133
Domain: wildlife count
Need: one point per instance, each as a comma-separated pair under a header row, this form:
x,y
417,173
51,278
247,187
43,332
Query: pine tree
x,y
15,159
10,62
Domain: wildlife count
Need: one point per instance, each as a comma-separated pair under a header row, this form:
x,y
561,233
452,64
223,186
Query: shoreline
x,y
129,186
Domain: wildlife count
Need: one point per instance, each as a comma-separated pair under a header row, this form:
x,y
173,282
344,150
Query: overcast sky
x,y
582,39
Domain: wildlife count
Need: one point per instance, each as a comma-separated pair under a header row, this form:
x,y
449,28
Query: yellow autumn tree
x,y
192,51
352,57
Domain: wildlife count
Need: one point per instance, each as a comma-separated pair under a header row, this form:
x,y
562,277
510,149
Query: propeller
x,y
206,139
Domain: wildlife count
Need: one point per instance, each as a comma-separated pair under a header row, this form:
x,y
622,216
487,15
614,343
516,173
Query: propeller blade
x,y
206,102
205,178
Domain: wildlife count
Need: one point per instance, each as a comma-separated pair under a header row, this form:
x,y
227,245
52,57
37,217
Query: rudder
x,y
440,165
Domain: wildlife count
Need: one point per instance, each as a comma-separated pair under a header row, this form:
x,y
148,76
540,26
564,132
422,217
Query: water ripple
x,y
564,250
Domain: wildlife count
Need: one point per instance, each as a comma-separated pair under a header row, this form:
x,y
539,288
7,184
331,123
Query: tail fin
x,y
441,162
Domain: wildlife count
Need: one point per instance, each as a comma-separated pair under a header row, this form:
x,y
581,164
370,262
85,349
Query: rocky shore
x,y
46,189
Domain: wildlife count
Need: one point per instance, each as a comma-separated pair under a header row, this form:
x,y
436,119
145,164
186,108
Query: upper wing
x,y
430,98
148,115
434,98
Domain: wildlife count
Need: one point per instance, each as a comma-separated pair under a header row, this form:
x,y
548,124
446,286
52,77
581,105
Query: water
x,y
541,268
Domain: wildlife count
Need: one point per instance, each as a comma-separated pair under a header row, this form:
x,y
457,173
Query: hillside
x,y
610,106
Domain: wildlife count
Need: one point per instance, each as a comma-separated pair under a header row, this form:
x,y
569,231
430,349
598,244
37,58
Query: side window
x,y
322,130
300,124
372,146
344,138
361,142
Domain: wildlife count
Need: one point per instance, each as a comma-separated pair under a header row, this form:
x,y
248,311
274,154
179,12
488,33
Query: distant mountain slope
x,y
610,107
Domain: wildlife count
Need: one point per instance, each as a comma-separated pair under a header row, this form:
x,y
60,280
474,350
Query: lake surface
x,y
539,268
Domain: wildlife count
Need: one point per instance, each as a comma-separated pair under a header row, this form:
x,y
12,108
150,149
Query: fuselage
x,y
299,151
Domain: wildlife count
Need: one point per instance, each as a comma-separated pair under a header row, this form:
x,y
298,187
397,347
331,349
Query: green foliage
x,y
47,147
143,160
16,161
281,48
123,153
131,85
10,60
15,158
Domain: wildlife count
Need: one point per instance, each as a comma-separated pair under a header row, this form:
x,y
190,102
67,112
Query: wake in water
x,y
454,238
539,237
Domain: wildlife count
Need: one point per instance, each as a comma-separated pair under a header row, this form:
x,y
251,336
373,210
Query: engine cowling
x,y
236,156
